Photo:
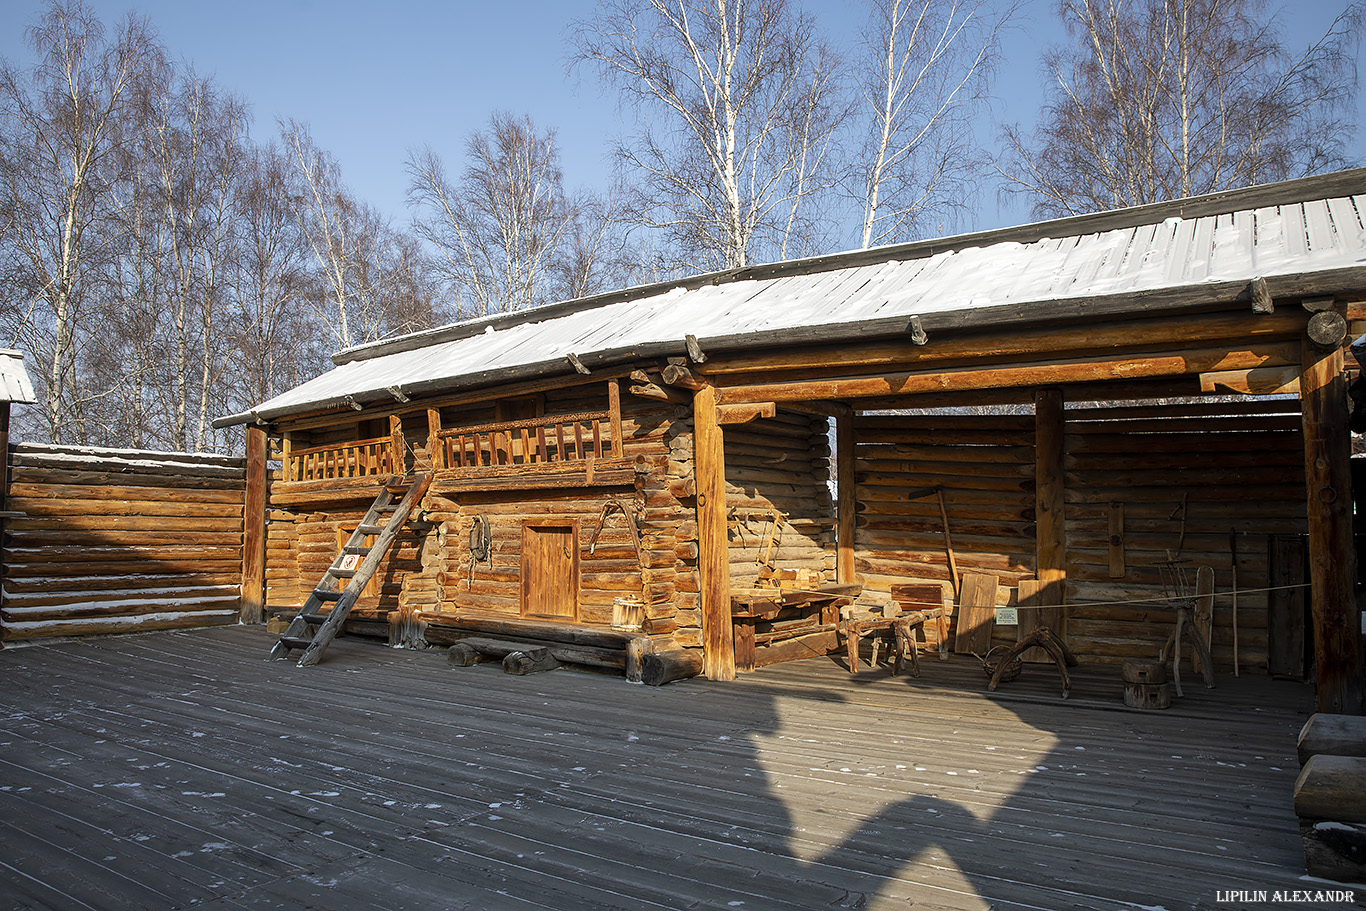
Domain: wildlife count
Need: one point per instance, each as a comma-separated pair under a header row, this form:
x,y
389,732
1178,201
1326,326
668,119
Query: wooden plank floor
x,y
175,769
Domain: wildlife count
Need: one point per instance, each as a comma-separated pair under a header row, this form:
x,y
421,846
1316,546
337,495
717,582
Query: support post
x,y
400,459
1050,536
614,406
4,488
1332,556
287,458
436,452
713,545
253,594
844,497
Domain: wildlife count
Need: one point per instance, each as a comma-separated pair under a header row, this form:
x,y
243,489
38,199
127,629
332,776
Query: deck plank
x,y
178,768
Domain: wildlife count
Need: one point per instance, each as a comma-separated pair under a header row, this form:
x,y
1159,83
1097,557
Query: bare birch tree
x,y
501,228
327,213
195,151
1161,99
719,86
64,123
923,83
276,341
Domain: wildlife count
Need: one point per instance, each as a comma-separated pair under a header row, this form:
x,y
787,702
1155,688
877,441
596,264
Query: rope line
x,y
1159,600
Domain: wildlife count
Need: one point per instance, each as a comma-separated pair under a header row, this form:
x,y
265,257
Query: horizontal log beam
x,y
1041,374
1050,342
655,392
743,414
678,375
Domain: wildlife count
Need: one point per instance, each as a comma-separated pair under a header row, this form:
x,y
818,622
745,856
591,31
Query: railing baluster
x,y
597,438
559,441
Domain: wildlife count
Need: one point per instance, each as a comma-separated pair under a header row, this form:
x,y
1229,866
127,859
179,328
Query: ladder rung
x,y
295,642
359,550
326,595
342,573
370,529
314,618
392,507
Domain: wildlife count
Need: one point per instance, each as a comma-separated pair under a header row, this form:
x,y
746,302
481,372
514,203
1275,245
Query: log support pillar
x,y
713,540
400,458
1050,530
253,595
1332,556
844,497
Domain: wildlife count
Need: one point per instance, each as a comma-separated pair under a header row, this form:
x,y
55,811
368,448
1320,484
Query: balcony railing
x,y
338,461
534,441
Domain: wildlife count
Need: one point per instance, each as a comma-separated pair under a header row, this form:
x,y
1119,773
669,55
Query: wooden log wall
x,y
431,572
1140,482
1178,480
654,492
779,466
984,466
114,541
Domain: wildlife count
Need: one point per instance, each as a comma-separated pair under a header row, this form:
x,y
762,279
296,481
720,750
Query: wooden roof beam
x,y
979,343
1054,373
678,375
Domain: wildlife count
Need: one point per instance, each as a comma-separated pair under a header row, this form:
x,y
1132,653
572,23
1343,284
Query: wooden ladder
x,y
325,627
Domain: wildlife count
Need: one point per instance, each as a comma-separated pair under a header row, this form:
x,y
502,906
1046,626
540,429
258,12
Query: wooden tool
x,y
1233,551
948,538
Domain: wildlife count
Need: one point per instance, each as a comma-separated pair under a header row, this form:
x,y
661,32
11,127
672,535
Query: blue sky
x,y
376,79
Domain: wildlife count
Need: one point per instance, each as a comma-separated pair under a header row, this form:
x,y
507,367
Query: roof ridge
x,y
1299,190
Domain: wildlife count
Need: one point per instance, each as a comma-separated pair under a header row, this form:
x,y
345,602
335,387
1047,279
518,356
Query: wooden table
x,y
820,605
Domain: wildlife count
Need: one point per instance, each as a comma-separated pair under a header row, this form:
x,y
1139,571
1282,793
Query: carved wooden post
x,y
713,563
436,450
614,406
399,457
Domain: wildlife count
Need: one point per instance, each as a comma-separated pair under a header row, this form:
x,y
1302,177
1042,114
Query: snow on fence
x,y
116,540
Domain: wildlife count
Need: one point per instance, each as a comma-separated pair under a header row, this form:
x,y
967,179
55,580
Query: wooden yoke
x,y
713,545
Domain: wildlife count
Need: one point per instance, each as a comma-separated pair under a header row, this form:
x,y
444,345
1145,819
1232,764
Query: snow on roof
x,y
14,382
1291,228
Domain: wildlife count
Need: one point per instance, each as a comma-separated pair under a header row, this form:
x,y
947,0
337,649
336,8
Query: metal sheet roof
x,y
14,382
976,273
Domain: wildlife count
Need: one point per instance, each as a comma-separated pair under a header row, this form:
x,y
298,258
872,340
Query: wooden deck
x,y
170,769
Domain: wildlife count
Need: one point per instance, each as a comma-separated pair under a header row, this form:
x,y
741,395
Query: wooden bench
x,y
914,608
591,646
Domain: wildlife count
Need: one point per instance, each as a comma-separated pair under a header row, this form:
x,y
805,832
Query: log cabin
x,y
1075,416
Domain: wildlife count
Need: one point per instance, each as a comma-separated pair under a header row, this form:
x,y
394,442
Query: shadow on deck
x,y
170,769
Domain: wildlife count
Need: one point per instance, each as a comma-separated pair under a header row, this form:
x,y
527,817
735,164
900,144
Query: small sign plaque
x,y
1007,616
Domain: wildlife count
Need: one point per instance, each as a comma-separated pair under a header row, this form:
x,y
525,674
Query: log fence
x,y
104,541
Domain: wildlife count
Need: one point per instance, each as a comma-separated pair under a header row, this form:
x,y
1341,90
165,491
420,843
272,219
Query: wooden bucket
x,y
628,613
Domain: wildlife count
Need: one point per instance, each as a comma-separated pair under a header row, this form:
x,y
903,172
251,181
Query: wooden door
x,y
550,570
